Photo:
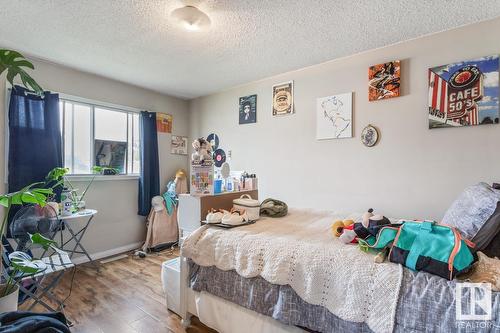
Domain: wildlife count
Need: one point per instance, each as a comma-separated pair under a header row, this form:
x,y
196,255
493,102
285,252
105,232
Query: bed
x,y
290,275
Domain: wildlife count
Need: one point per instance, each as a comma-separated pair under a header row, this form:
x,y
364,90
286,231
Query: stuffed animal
x,y
202,150
369,226
340,227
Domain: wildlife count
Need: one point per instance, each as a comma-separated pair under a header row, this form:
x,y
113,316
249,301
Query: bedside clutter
x,y
193,208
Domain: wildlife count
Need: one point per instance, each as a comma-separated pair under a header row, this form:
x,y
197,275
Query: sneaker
x,y
235,217
214,216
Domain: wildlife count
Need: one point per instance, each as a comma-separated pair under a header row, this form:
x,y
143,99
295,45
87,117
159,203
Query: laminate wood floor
x,y
123,296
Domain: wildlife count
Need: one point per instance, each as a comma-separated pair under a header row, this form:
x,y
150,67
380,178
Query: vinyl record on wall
x,y
219,157
214,140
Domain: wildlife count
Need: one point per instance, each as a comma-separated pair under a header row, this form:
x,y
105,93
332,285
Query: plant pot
x,y
9,303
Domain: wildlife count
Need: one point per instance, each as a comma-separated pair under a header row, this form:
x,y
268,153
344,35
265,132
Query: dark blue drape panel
x,y
149,183
35,145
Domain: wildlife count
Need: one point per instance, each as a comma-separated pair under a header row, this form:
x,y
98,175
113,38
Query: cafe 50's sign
x,y
465,89
457,96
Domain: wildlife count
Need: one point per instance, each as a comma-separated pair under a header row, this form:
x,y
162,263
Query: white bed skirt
x,y
227,317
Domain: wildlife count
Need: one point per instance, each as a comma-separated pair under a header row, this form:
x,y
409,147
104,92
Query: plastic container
x,y
170,278
217,186
249,205
66,203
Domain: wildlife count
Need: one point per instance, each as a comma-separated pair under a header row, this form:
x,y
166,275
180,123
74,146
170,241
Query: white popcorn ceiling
x,y
136,41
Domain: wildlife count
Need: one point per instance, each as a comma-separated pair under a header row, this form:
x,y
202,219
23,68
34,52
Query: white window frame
x,y
75,99
103,105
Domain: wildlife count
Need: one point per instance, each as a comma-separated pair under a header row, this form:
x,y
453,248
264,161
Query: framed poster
x,y
384,80
179,145
164,122
248,109
283,99
334,117
464,93
110,154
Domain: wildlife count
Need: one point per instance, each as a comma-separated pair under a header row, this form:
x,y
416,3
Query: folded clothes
x,y
273,208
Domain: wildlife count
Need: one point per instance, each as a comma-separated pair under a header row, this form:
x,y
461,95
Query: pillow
x,y
476,214
493,249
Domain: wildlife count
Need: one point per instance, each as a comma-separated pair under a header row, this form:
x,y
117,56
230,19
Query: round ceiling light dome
x,y
191,18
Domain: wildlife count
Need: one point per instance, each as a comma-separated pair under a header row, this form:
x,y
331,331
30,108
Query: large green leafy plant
x,y
15,64
22,265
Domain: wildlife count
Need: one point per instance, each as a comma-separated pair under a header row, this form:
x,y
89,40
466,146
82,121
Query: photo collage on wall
x,y
461,94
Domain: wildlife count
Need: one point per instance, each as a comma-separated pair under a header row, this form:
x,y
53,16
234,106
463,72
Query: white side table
x,y
77,236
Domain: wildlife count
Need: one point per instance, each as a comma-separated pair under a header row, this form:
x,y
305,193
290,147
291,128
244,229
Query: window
x,y
99,135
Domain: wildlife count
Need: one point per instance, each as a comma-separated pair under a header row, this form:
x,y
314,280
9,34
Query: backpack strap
x,y
385,236
419,244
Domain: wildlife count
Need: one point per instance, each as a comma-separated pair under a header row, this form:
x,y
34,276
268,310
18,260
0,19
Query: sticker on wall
x,y
464,93
248,109
179,145
370,136
334,117
384,80
283,99
164,122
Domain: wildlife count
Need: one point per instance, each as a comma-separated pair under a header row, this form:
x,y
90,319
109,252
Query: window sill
x,y
82,178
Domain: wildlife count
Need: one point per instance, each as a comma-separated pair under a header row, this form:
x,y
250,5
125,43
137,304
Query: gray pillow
x,y
493,248
475,214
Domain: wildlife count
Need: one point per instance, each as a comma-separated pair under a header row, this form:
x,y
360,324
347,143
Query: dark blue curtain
x,y
35,145
149,183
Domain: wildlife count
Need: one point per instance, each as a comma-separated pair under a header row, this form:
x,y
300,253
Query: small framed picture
x,y
248,109
179,145
283,98
164,122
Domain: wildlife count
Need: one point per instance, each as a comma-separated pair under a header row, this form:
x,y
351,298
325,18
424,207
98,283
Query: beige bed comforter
x,y
299,250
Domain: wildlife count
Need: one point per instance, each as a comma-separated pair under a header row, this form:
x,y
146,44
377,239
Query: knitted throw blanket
x,y
299,250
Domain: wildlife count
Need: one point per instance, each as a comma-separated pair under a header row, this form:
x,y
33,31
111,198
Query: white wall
x,y
412,172
117,223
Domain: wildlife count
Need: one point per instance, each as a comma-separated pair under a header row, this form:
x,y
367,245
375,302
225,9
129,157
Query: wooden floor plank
x,y
123,296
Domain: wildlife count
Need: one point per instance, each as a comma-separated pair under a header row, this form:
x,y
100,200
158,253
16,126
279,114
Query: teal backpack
x,y
425,246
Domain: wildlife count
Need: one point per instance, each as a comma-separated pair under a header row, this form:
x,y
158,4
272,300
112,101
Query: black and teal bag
x,y
426,246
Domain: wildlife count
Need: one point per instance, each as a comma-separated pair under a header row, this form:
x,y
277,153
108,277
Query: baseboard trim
x,y
107,253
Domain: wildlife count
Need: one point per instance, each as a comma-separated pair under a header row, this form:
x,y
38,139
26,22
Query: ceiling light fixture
x,y
191,18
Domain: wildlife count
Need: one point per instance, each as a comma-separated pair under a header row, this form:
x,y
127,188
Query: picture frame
x,y
247,111
283,99
334,116
179,145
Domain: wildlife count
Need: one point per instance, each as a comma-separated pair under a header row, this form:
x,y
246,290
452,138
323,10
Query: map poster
x,y
334,117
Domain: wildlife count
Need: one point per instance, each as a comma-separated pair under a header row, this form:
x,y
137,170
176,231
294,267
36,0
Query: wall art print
x,y
464,93
334,117
384,80
283,99
248,109
164,122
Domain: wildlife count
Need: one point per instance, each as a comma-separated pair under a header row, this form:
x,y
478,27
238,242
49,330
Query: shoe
x,y
214,216
235,217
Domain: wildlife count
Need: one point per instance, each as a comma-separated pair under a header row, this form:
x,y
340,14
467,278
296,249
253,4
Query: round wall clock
x,y
369,136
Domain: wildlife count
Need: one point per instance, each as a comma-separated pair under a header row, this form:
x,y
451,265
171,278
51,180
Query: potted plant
x,y
57,177
31,194
22,265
